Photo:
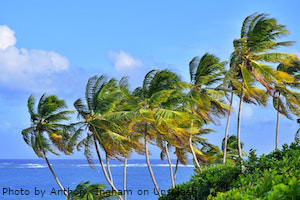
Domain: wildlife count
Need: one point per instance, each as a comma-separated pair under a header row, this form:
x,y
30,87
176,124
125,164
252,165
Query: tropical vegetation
x,y
174,115
272,176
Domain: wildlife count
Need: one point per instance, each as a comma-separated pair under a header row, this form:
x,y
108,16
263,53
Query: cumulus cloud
x,y
7,37
123,61
27,69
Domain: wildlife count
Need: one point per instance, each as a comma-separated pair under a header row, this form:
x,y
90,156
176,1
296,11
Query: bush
x,y
210,181
273,176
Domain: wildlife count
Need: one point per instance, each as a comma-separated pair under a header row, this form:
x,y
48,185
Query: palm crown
x,y
47,132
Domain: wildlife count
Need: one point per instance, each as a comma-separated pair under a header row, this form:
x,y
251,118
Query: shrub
x,y
210,181
273,176
270,177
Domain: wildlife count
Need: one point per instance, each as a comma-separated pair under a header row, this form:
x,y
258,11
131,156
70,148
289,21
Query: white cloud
x,y
7,37
27,69
123,61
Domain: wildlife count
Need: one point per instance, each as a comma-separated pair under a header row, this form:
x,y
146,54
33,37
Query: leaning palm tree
x,y
204,99
149,119
251,56
47,132
101,95
124,107
287,101
88,191
168,81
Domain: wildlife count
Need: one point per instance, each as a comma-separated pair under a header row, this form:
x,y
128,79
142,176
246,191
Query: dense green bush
x,y
272,176
210,181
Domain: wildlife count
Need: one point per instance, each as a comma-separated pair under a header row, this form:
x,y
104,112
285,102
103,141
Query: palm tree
x,y
168,81
150,119
102,97
88,191
47,131
259,36
205,100
232,148
286,101
124,107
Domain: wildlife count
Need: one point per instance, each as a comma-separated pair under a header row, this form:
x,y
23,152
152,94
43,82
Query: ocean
x,y
32,180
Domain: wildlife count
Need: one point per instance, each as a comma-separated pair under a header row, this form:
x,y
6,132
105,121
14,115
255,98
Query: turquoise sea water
x,y
32,176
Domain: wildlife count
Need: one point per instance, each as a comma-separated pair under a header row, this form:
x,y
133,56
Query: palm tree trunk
x,y
277,122
149,165
108,167
170,164
176,168
103,168
191,142
193,152
54,175
277,129
125,178
226,130
239,121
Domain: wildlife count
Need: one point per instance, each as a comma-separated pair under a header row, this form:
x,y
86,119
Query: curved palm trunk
x,y
170,164
54,175
125,178
239,122
226,130
193,152
103,168
176,168
108,167
149,166
277,129
191,143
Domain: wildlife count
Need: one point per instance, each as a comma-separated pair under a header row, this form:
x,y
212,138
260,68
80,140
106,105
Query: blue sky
x,y
54,46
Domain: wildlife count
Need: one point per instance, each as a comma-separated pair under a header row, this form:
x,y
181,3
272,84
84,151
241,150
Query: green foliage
x,y
272,176
210,181
47,132
88,191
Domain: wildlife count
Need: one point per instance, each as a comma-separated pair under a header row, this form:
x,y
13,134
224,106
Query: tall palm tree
x,y
205,100
259,36
47,132
125,106
168,81
287,101
101,96
150,119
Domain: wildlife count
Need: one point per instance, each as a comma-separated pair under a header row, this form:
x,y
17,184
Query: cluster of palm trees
x,y
169,112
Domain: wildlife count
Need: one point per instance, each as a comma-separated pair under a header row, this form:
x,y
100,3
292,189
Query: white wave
x,y
133,165
6,163
32,166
